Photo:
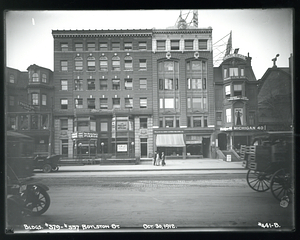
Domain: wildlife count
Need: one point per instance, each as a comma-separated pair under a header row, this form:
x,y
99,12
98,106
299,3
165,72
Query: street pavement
x,y
171,165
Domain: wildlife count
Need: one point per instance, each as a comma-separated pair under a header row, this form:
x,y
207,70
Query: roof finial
x,y
274,60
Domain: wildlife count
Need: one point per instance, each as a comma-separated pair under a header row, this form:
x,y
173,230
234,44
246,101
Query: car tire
x,y
47,168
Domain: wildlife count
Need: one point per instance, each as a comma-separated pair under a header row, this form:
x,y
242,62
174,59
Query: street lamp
x,y
102,146
132,147
79,145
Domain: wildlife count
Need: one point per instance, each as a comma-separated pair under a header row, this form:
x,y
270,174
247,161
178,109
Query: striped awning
x,y
170,140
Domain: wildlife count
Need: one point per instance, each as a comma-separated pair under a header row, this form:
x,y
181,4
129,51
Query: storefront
x,y
85,144
171,144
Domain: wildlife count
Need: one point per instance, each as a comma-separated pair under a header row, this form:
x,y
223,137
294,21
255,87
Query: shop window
x,y
143,83
143,123
103,63
174,44
35,77
64,147
197,122
237,90
91,103
169,122
103,46
78,47
64,66
103,84
45,121
116,84
116,102
228,115
24,122
202,44
128,46
44,78
44,99
169,103
103,103
91,84
143,102
78,84
142,46
115,46
63,103
35,99
91,46
188,44
128,103
116,63
34,122
78,64
128,63
78,103
142,64
91,64
64,85
161,45
12,123
64,47
11,78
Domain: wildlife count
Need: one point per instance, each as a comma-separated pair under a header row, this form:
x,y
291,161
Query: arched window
x,y
44,78
103,63
78,64
91,65
116,63
168,74
196,74
128,63
35,77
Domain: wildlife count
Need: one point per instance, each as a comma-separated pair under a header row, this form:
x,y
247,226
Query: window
x,y
237,90
115,46
128,46
161,45
189,122
116,63
227,91
161,122
142,46
204,103
219,118
188,44
176,102
205,121
45,121
177,122
143,64
64,103
169,122
202,44
228,115
196,83
24,124
11,78
189,104
91,103
103,63
103,103
103,46
143,102
64,147
103,84
64,65
91,64
35,77
225,73
128,103
168,84
78,103
83,126
143,83
128,63
143,123
103,126
251,118
78,64
64,47
91,46
78,84
34,121
12,123
44,99
91,84
116,103
174,44
233,72
242,72
116,84
169,102
196,121
11,100
44,78
93,126
197,103
161,103
64,85
78,47
196,65
63,124
35,99
128,84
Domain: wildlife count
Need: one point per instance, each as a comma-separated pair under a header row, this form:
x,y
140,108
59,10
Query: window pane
x,y
103,46
169,102
64,47
142,46
78,47
202,44
169,121
128,46
143,122
103,126
128,102
91,84
103,103
197,102
188,44
197,121
103,84
115,46
233,72
143,102
174,44
44,100
91,47
143,83
161,44
128,84
64,85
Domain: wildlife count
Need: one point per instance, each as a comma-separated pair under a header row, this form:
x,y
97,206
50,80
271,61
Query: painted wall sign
x,y
235,55
84,135
122,147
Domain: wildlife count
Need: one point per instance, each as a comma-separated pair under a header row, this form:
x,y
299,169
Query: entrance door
x,y
222,141
144,151
205,146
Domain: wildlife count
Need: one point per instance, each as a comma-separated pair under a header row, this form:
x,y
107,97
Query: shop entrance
x,y
222,141
205,145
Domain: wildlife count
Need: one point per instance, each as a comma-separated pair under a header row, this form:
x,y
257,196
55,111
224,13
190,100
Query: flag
x,y
229,45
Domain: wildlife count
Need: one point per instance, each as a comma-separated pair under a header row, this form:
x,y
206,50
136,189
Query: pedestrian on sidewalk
x,y
163,159
154,158
157,159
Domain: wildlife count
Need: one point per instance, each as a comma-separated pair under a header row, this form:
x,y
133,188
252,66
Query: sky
x,y
261,33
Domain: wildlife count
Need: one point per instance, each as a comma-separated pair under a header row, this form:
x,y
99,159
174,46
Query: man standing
x,y
154,158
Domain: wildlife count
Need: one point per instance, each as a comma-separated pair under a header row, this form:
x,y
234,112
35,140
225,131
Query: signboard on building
x,y
26,106
122,147
243,128
84,135
235,55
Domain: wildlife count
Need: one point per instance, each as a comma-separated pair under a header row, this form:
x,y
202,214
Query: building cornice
x,y
182,31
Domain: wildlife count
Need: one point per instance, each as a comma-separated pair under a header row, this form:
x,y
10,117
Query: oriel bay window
x,y
91,103
168,73
44,78
237,90
233,72
35,77
44,99
227,91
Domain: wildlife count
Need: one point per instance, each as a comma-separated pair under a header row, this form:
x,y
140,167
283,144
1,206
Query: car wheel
x,y
47,168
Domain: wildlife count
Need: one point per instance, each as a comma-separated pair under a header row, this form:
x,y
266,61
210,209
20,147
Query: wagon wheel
x,y
258,181
281,184
47,168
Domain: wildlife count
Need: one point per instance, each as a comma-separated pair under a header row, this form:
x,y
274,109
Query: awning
x,y
170,140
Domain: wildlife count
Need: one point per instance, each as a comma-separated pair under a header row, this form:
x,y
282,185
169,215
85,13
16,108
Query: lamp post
x,y
132,148
102,146
79,145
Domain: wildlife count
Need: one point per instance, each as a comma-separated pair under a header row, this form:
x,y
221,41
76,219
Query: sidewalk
x,y
189,164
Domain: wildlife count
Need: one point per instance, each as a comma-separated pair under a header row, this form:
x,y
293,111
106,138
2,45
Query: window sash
x,y
44,99
169,103
103,46
44,78
103,103
103,84
116,102
174,44
197,121
78,84
91,103
143,123
64,124
233,72
188,44
142,46
197,103
143,64
116,64
128,102
169,122
79,47
35,77
227,90
228,115
128,64
143,102
116,84
128,84
35,99
64,47
128,46
161,44
78,103
91,85
91,46
103,65
64,85
202,44
64,65
168,84
143,83
115,46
